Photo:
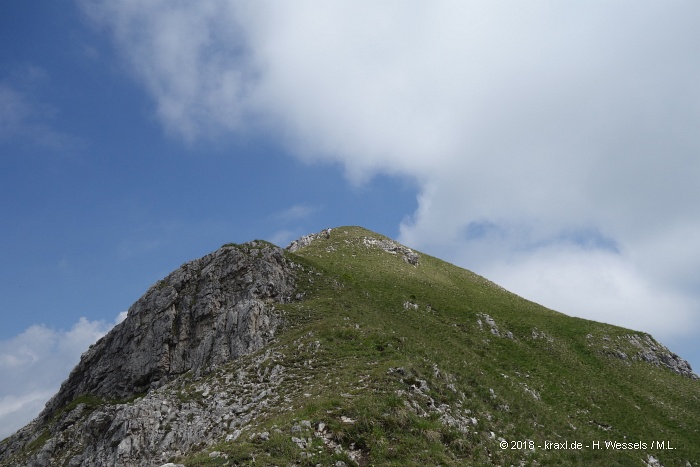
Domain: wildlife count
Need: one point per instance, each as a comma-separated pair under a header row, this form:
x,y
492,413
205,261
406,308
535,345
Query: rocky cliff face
x,y
207,312
351,349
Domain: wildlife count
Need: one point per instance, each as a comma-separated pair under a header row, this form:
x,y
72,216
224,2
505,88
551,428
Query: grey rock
x,y
210,311
394,248
207,312
299,442
306,240
648,350
537,334
493,327
233,436
657,354
163,424
195,363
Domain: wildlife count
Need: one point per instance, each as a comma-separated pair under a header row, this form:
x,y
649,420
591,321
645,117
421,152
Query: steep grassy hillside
x,y
384,356
391,363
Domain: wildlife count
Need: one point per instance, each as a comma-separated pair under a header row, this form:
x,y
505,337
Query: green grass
x,y
554,387
370,381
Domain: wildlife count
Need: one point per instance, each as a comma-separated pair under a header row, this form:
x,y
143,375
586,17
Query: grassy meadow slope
x,y
380,361
390,363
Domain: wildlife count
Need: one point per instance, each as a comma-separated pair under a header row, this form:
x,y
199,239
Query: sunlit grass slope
x,y
391,363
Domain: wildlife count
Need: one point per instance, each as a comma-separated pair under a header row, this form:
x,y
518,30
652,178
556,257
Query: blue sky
x,y
553,149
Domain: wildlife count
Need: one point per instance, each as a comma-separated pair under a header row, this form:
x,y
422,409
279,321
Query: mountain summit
x,y
348,348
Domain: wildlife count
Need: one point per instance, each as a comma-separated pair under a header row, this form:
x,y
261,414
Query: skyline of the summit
x,y
552,148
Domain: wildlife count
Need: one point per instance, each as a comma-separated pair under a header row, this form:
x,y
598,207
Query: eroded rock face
x,y
657,354
643,348
162,425
166,423
207,312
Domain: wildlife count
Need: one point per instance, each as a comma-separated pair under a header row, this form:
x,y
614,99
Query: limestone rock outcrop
x,y
161,425
223,361
657,354
306,240
207,312
408,255
642,347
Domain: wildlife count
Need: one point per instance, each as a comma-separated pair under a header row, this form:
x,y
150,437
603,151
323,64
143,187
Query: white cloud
x,y
34,363
599,285
173,49
540,123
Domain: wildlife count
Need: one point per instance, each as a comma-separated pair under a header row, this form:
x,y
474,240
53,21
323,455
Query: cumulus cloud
x,y
555,145
599,285
175,50
34,363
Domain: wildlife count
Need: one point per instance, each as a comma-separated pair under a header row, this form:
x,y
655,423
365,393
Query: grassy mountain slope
x,y
384,362
397,364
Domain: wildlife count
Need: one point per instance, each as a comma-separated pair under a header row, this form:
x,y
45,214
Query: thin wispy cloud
x,y
546,121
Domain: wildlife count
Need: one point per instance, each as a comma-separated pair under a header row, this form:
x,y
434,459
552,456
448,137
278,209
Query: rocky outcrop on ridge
x,y
643,347
657,354
408,255
389,246
208,311
215,366
205,313
306,240
166,423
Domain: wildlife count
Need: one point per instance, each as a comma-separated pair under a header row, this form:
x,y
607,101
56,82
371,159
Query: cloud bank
x,y
35,363
555,145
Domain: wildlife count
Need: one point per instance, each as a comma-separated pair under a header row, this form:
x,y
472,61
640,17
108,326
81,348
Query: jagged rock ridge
x,y
306,240
384,244
220,356
208,311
